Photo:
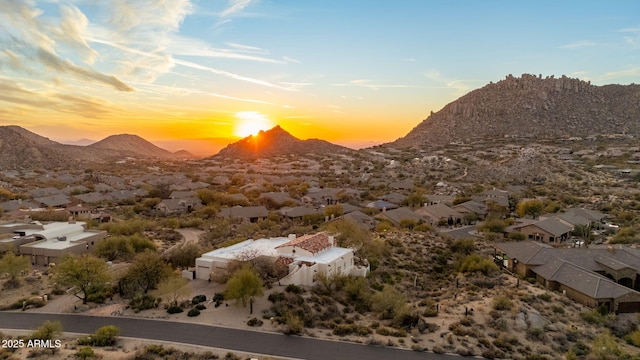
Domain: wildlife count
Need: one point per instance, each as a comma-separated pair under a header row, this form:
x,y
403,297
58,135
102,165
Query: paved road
x,y
461,232
219,337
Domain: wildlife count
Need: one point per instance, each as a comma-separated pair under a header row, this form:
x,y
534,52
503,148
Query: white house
x,y
305,257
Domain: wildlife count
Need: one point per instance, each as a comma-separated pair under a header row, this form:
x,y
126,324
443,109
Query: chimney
x,y
292,236
331,242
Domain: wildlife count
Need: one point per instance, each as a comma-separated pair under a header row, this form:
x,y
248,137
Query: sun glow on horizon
x,y
251,123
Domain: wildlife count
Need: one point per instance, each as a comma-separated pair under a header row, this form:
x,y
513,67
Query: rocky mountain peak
x,y
532,107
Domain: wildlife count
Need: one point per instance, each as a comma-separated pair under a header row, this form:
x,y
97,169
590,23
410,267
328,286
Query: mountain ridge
x,y
275,142
36,151
531,107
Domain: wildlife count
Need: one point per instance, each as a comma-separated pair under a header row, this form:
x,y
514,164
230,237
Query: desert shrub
x,y
193,312
47,331
198,299
104,336
142,302
431,308
536,334
463,246
544,297
255,322
36,302
384,331
292,288
85,352
476,263
502,302
159,350
634,338
276,296
594,317
174,309
517,236
580,349
294,324
200,307
557,309
218,298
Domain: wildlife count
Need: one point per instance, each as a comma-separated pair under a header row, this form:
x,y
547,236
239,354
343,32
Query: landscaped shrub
x,y
347,329
291,288
35,302
143,302
276,296
200,307
193,312
255,322
218,298
198,299
174,309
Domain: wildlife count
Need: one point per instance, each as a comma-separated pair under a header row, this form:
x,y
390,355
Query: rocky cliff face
x,y
532,107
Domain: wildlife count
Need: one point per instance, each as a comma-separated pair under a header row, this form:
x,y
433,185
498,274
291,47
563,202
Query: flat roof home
x,y
305,257
46,243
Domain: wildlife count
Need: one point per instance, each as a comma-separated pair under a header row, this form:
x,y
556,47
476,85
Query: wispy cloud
x,y
235,6
181,91
620,74
579,44
291,60
88,107
51,61
38,43
193,47
633,36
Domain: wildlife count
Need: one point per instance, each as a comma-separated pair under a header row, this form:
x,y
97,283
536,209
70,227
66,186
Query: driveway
x,y
218,337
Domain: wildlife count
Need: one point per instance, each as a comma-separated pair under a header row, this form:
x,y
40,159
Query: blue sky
x,y
352,72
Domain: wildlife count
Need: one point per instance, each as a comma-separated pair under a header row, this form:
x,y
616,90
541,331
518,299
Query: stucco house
x,y
248,213
305,257
546,230
46,243
595,277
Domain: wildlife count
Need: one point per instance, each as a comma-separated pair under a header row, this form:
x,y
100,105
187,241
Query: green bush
x,y
198,299
502,302
85,352
193,312
47,331
200,307
255,322
634,338
104,336
174,309
291,288
142,302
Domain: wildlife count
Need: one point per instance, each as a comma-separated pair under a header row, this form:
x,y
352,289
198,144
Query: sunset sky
x,y
356,72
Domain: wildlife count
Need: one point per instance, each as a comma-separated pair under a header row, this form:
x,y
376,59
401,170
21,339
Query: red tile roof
x,y
312,243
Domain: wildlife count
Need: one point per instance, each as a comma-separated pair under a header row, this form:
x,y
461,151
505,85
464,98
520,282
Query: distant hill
x,y
531,107
79,142
132,144
23,149
276,142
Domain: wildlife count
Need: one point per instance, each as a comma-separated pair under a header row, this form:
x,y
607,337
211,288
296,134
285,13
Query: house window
x,y
530,236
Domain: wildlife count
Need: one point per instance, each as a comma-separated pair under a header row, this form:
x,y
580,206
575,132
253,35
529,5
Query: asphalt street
x,y
218,337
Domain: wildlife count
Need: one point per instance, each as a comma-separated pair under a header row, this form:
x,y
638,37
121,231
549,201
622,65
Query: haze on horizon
x,y
351,72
